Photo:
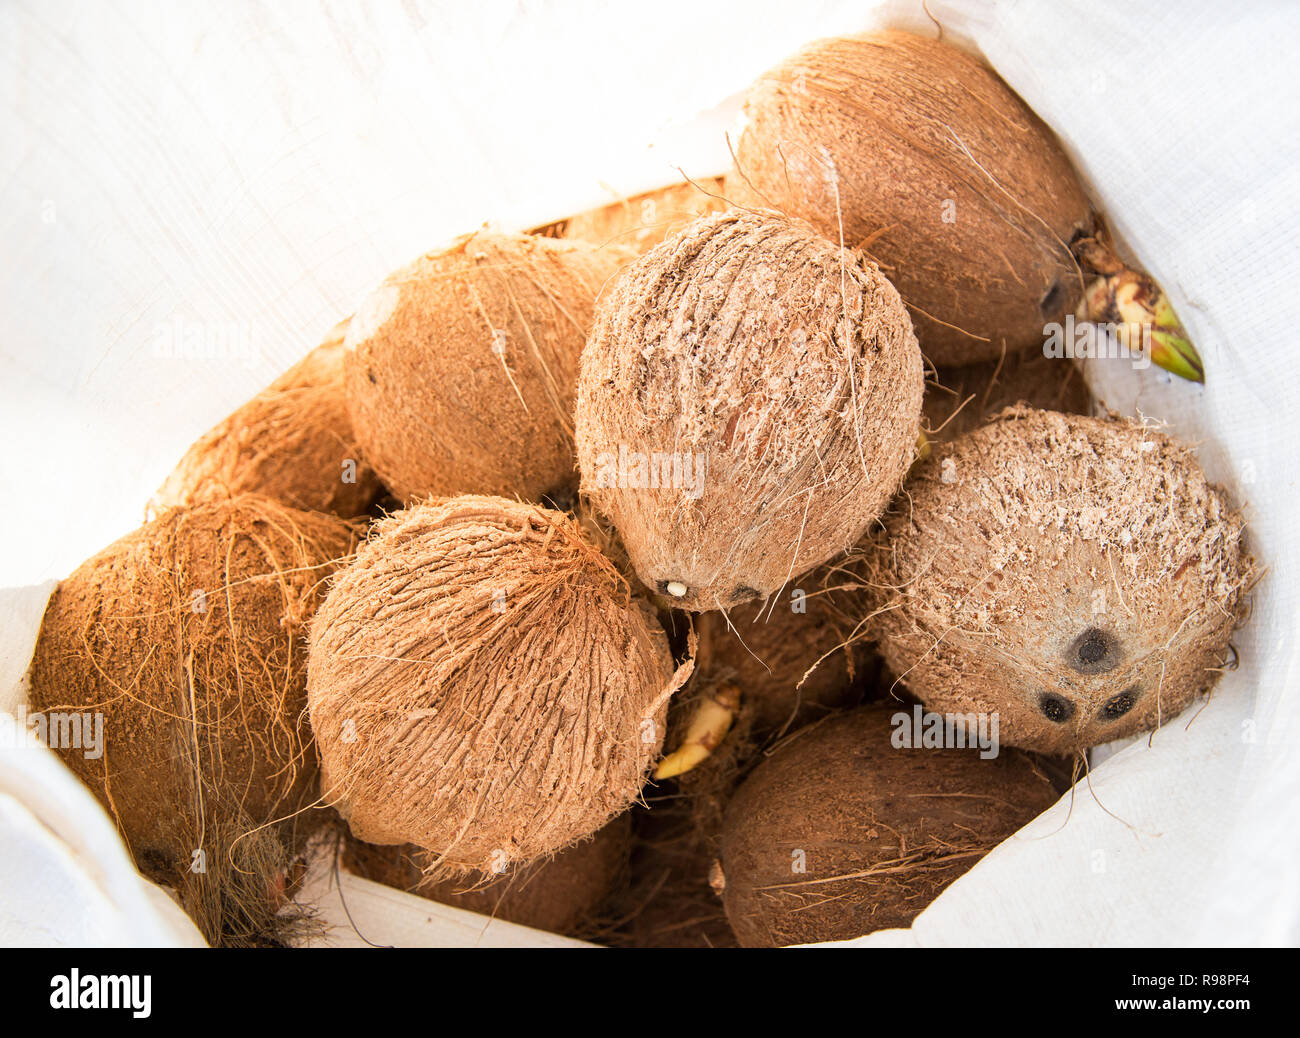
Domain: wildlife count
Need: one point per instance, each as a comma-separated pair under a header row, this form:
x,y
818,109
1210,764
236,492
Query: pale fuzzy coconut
x,y
462,366
484,685
292,442
919,153
749,401
1077,576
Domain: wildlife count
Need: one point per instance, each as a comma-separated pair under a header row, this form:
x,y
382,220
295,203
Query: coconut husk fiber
x,y
794,660
642,221
462,366
292,442
749,402
958,400
788,666
839,834
483,684
189,637
920,154
1079,576
566,894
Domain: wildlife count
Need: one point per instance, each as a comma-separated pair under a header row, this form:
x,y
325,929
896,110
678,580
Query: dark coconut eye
x,y
1056,709
1053,299
1093,652
1118,706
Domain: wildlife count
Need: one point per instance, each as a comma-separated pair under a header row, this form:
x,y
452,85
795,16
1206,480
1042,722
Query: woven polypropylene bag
x,y
240,175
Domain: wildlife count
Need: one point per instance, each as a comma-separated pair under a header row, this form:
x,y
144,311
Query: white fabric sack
x,y
236,176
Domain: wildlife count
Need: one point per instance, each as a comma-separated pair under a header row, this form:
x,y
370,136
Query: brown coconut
x,y
643,221
921,154
566,894
794,660
189,637
958,400
839,833
292,442
749,402
462,366
1076,575
484,685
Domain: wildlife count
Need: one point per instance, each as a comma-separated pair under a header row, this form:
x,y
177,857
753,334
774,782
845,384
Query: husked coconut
x,y
462,366
484,685
919,153
187,641
749,402
1078,576
292,442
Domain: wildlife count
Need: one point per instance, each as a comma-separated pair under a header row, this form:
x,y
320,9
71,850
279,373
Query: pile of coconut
x,y
584,578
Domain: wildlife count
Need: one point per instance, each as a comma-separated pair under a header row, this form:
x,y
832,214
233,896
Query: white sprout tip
x,y
676,588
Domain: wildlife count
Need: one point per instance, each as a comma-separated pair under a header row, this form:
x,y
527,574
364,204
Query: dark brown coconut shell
x,y
793,661
953,185
643,221
730,343
292,442
1077,575
462,366
880,831
189,636
484,685
958,400
565,894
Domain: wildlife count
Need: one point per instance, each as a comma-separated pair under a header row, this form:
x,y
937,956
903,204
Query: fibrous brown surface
x,y
292,442
921,154
189,638
1077,575
565,894
643,221
839,833
749,401
958,400
484,685
462,366
794,660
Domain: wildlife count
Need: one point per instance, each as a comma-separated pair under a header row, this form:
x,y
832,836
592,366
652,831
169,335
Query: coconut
x,y
749,401
484,685
668,902
462,367
1078,576
292,442
921,154
643,221
188,639
958,400
792,661
565,894
839,833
